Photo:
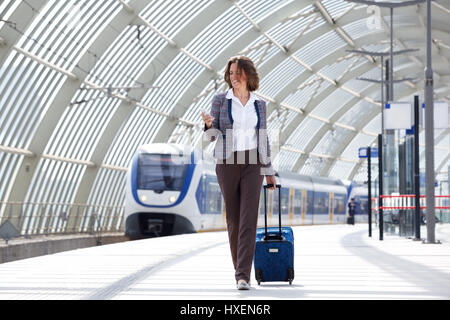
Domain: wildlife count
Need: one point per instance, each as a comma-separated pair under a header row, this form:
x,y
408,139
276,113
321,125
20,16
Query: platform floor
x,y
331,262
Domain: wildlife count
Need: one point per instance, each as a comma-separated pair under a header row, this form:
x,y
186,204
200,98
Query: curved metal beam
x,y
46,126
325,60
39,142
22,181
325,128
164,58
437,139
345,142
443,162
301,118
355,169
297,45
405,33
217,63
10,37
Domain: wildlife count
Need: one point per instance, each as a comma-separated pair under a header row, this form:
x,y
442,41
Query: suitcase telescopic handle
x,y
268,186
278,186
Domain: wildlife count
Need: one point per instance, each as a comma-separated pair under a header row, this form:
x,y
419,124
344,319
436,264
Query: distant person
x,y
351,211
238,122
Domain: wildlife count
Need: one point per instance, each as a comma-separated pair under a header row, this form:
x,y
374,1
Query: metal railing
x,y
399,216
38,218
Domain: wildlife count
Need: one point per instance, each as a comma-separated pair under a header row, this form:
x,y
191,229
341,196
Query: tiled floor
x,y
331,262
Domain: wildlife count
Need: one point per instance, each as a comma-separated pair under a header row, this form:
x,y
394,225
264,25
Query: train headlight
x,y
172,199
143,198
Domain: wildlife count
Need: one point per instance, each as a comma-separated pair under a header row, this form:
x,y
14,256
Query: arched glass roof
x,y
83,83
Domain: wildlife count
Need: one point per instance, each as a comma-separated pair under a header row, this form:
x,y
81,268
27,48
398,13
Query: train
x,y
172,189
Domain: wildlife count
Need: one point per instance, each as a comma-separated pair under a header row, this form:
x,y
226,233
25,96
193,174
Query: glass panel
x,y
339,204
275,205
321,202
161,172
284,201
298,195
214,196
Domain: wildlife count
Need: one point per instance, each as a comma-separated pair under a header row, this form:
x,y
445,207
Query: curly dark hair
x,y
243,63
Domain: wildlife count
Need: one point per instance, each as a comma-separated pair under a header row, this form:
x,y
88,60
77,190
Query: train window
x,y
261,202
363,205
321,202
200,195
297,202
339,207
275,202
160,172
309,202
284,200
213,196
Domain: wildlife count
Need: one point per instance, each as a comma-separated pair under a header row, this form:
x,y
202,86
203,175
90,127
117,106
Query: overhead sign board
x,y
441,110
398,115
363,152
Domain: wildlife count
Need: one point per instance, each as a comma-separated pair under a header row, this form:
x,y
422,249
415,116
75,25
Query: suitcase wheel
x,y
258,275
290,273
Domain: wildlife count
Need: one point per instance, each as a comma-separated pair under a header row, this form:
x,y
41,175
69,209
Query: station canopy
x,y
84,83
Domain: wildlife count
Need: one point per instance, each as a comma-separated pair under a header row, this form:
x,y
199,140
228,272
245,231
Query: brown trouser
x,y
241,187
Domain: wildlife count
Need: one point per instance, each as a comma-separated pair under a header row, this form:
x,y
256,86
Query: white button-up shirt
x,y
245,120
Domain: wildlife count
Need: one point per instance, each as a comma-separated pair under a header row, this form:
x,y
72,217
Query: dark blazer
x,y
222,131
351,208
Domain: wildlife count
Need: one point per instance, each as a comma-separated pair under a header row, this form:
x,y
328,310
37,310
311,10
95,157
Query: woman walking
x,y
238,123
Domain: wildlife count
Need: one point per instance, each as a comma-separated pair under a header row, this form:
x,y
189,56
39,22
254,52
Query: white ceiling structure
x,y
83,83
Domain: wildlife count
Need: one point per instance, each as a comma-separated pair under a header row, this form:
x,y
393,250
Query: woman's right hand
x,y
208,119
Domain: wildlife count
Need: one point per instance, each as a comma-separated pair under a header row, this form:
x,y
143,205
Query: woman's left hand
x,y
271,180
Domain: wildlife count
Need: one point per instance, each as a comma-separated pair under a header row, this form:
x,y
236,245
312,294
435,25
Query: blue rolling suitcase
x,y
274,249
